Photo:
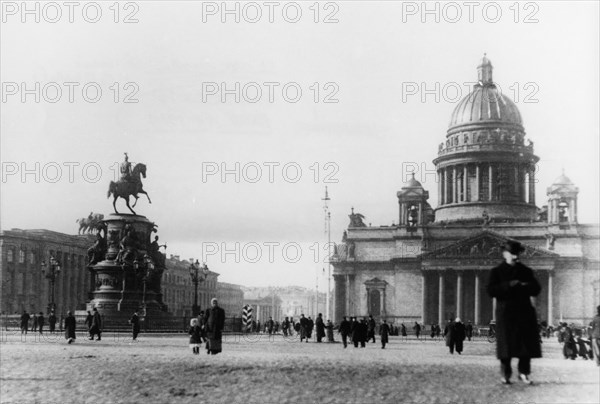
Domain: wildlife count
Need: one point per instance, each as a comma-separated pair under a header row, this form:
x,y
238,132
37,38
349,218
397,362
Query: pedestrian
x,y
329,328
52,322
34,324
303,328
70,326
371,329
595,336
455,336
417,328
311,326
403,330
88,322
438,331
270,325
469,330
96,327
320,327
292,326
432,331
40,322
513,284
344,331
215,322
202,324
25,322
195,338
135,325
284,326
384,331
355,331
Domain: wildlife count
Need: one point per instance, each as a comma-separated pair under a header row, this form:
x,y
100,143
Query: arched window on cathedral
x,y
10,255
21,256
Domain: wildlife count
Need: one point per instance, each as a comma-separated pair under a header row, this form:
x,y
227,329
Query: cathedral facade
x,y
434,265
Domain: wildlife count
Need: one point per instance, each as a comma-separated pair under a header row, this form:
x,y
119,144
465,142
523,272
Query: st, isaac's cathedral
x,y
434,265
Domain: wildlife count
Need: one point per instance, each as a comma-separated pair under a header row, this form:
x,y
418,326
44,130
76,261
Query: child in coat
x,y
195,338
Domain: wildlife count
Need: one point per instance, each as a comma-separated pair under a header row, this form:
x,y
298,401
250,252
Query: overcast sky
x,y
374,61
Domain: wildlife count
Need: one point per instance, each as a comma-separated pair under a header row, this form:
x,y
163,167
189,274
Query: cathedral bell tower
x,y
562,202
414,209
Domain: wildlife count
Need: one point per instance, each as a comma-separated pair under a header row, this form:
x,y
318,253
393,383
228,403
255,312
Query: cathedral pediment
x,y
486,245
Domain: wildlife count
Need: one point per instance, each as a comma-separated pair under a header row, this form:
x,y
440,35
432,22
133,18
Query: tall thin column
x,y
441,302
490,181
477,315
445,185
475,193
423,297
465,183
550,300
348,295
454,186
439,178
532,186
459,302
494,309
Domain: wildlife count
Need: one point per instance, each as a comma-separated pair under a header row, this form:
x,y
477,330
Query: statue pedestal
x,y
129,276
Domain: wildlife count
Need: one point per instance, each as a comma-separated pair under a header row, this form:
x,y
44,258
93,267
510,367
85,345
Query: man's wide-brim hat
x,y
513,247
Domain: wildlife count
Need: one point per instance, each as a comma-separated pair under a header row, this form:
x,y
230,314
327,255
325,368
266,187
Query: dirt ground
x,y
162,369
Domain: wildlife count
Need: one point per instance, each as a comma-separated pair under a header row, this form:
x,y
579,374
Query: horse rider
x,y
125,169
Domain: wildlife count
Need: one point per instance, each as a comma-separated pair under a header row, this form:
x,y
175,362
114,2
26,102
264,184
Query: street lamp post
x,y
149,267
51,274
196,278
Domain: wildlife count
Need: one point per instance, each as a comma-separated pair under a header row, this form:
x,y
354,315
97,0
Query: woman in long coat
x,y
70,325
215,322
512,284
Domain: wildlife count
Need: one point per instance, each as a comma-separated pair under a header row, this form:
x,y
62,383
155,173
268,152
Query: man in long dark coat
x,y
24,322
371,329
345,331
41,322
512,284
320,326
215,322
303,328
96,328
52,322
384,331
455,336
135,325
70,325
311,326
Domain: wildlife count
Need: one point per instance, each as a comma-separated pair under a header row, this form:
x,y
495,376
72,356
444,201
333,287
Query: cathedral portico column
x,y
441,302
550,300
477,316
347,313
494,309
459,301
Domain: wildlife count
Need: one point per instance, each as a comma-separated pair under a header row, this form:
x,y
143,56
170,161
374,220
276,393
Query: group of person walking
x,y
363,331
39,321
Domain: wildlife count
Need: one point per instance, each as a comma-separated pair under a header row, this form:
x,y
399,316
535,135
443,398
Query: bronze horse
x,y
124,189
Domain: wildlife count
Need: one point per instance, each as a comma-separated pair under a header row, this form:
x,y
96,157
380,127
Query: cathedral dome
x,y
485,103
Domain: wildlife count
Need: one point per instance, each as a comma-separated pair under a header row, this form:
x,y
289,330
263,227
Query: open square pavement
x,y
256,369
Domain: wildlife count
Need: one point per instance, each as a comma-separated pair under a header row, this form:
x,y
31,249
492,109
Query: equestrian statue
x,y
130,184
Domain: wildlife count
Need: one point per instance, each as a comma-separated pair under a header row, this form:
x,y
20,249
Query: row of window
x,y
64,259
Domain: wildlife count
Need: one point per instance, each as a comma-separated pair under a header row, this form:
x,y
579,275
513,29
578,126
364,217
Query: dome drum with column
x,y
484,167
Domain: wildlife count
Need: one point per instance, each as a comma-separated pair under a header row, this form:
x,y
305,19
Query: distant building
x,y
25,287
231,298
178,289
279,302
